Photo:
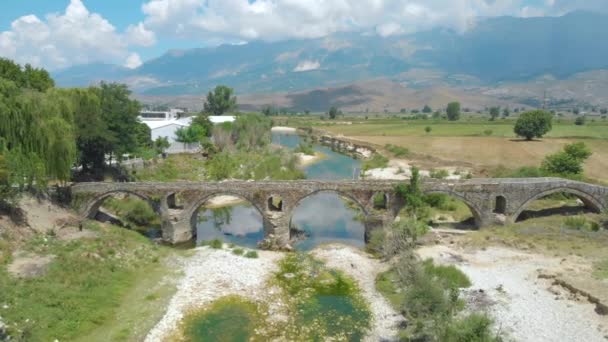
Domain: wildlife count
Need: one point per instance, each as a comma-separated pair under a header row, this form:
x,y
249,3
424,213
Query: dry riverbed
x,y
526,305
211,274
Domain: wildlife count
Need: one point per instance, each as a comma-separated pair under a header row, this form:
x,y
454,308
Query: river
x,y
325,217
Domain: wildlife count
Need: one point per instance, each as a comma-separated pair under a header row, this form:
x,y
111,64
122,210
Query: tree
x,y
191,134
494,113
506,112
428,129
427,109
580,121
161,144
453,111
604,111
333,113
569,162
533,124
220,101
203,121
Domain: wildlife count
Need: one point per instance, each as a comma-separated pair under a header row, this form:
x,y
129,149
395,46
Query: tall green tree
x,y
220,101
333,113
494,113
533,124
453,111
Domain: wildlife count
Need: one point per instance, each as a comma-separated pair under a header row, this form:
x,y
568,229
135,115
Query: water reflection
x,y
240,224
335,166
326,217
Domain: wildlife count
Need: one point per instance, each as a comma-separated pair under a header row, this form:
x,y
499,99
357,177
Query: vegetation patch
x,y
82,288
397,151
324,303
601,269
230,318
377,161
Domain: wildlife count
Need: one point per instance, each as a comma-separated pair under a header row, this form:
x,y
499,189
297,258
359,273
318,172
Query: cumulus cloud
x,y
139,35
73,37
307,66
133,61
226,20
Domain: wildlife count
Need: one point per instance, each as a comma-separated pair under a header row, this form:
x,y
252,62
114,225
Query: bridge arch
x,y
194,209
589,201
477,216
93,207
337,224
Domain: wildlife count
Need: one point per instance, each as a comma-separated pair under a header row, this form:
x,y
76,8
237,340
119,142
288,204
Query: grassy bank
x,y
88,288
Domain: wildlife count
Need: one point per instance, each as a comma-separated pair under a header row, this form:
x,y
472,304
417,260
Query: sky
x,y
56,34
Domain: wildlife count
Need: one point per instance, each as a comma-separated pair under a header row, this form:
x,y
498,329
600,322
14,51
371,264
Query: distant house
x,y
165,124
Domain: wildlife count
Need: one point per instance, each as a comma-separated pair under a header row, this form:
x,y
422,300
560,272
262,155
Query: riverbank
x,y
513,288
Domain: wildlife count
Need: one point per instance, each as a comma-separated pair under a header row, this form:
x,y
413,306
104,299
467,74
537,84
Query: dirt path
x,y
525,306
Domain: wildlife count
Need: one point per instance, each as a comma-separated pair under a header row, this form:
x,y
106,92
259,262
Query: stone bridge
x,y
491,201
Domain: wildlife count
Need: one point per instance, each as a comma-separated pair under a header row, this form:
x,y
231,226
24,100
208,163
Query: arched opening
x,y
380,201
128,210
229,218
500,205
327,217
449,210
175,202
562,202
275,203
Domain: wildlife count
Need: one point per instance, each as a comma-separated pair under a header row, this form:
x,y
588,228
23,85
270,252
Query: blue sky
x,y
57,34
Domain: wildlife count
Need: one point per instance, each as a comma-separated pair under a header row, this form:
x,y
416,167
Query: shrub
x,y
306,149
450,276
251,255
439,174
440,201
140,214
576,222
533,124
377,161
398,151
488,132
216,244
472,328
580,121
569,162
238,251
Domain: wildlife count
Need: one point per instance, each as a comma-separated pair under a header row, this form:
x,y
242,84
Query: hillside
x,y
359,97
495,51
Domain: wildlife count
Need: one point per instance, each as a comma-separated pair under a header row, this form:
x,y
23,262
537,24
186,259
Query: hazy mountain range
x,y
497,53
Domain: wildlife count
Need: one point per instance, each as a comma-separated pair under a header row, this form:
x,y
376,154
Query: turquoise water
x,y
324,217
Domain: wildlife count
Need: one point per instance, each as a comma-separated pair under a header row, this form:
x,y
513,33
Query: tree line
x,y
46,131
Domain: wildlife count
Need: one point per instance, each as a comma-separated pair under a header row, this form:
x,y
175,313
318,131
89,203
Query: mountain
x,y
373,96
494,51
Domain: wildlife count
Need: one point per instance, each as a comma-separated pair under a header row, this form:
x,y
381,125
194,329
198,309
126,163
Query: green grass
x,y
83,288
393,127
377,161
251,255
397,151
600,269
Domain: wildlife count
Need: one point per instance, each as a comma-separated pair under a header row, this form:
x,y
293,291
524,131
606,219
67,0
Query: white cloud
x,y
139,35
307,66
227,20
73,37
133,61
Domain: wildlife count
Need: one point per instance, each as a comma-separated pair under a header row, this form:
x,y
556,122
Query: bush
x,y
449,276
377,161
440,201
576,222
140,214
238,251
473,328
533,124
398,151
569,162
580,121
216,244
439,174
306,149
251,255
488,132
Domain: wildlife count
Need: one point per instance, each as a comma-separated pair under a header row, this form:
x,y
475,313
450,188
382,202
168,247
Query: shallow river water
x,y
325,217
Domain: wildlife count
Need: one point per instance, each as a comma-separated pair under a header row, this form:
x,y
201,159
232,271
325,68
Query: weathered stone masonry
x,y
491,200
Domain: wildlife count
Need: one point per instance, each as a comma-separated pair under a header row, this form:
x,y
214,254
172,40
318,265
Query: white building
x,y
165,124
